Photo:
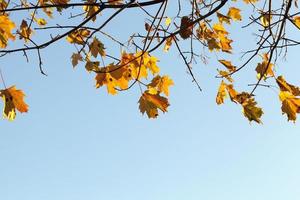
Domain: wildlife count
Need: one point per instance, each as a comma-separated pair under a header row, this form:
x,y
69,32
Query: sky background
x,y
79,143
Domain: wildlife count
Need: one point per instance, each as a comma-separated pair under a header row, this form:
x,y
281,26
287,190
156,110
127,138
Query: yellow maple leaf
x,y
225,43
225,74
285,86
168,44
6,26
78,36
228,65
234,13
108,80
221,95
13,99
39,21
232,93
297,21
251,111
168,21
220,29
121,75
265,19
91,10
290,105
139,72
265,68
160,84
113,77
151,63
150,103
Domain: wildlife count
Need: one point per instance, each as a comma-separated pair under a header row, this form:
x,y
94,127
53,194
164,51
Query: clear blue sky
x,y
78,143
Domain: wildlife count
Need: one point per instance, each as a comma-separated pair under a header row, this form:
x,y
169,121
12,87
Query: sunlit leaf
x,y
13,99
221,95
6,27
290,105
234,13
150,103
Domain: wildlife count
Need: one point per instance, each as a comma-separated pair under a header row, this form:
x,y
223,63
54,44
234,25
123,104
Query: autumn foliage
x,y
207,23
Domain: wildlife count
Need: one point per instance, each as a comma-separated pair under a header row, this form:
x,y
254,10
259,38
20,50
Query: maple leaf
x,y
223,18
265,68
113,77
13,99
265,19
226,75
151,63
168,44
92,66
297,21
168,21
228,65
284,86
91,10
250,108
41,21
242,97
225,44
75,58
221,95
150,103
25,31
139,71
139,64
232,93
251,111
219,29
108,80
290,105
121,75
97,47
78,36
213,44
6,26
234,13
160,84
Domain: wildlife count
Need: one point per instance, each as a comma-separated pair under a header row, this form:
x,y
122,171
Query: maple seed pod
x,y
147,27
186,27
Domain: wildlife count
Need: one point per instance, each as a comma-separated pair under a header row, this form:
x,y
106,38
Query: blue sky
x,y
79,143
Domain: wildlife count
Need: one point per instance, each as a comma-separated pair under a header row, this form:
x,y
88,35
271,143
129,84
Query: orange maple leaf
x,y
13,99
